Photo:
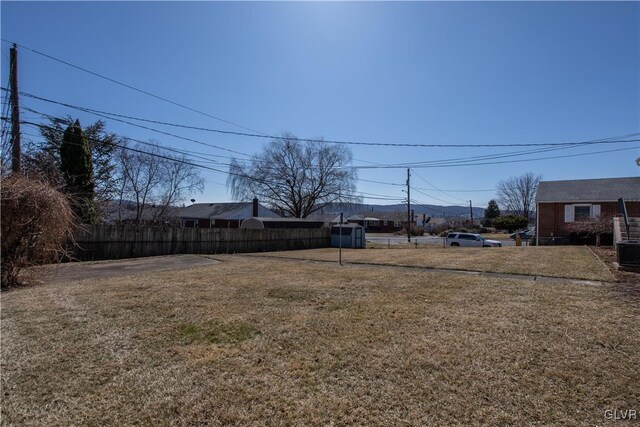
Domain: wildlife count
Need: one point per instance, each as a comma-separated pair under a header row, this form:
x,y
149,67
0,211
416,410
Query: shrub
x,y
36,221
510,223
415,231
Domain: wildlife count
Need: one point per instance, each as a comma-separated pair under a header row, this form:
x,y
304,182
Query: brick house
x,y
559,203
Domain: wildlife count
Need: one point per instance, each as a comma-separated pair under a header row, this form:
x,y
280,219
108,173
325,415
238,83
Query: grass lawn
x,y
575,262
255,341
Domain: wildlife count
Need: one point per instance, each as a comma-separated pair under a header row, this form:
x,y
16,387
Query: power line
x,y
460,160
425,180
425,189
61,120
490,163
434,197
383,183
436,163
427,207
124,147
114,116
151,129
262,135
131,87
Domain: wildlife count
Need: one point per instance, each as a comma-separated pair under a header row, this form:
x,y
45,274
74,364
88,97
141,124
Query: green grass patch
x,y
289,294
215,332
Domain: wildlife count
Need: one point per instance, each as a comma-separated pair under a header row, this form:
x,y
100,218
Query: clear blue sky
x,y
426,73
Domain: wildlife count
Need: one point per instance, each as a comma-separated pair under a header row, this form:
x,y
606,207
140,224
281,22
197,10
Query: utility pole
x,y
409,205
471,212
340,238
15,110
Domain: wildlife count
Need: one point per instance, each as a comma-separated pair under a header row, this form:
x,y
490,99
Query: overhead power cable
x,y
436,188
491,163
395,184
128,86
262,135
160,131
48,116
434,197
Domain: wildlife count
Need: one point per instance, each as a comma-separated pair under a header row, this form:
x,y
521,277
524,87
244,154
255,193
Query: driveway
x,y
101,269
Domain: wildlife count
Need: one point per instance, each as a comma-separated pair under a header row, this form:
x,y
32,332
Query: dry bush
x,y
36,221
592,227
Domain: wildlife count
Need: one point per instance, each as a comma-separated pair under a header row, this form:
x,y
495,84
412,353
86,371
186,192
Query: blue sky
x,y
420,73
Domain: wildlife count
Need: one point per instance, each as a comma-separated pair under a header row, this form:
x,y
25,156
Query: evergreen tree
x,y
77,169
492,211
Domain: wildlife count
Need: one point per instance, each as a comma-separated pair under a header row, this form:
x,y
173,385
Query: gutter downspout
x,y
537,224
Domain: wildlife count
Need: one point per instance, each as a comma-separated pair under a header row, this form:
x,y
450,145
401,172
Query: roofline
x,y
586,201
594,179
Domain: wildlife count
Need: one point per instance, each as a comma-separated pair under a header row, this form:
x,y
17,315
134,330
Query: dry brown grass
x,y
609,256
256,341
575,262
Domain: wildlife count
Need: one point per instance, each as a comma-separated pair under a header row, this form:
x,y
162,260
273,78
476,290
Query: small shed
x,y
351,235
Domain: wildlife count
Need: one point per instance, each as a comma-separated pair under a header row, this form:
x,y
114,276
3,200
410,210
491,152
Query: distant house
x,y
559,203
381,222
126,213
221,215
355,219
258,223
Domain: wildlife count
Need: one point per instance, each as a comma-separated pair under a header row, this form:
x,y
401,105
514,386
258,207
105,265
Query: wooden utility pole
x,y
15,110
409,205
471,212
340,238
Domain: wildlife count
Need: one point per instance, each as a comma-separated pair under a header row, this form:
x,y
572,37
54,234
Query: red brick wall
x,y
551,216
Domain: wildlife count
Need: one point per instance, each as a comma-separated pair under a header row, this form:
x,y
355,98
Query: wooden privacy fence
x,y
126,241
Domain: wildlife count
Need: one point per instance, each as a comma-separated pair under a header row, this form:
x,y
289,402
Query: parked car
x,y
470,239
525,235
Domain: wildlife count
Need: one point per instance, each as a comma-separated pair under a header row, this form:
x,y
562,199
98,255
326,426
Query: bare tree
x,y
295,178
517,194
153,180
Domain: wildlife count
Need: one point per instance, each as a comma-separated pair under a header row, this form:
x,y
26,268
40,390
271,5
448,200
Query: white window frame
x,y
570,211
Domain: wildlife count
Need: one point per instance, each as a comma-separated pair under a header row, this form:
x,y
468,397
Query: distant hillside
x,y
430,210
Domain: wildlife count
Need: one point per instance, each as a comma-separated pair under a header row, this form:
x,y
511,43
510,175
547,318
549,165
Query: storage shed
x,y
352,236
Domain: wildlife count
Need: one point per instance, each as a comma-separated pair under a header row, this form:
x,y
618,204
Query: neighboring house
x,y
221,215
381,222
257,223
355,219
562,202
125,213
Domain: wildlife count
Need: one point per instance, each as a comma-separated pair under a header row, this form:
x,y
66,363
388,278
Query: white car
x,y
469,239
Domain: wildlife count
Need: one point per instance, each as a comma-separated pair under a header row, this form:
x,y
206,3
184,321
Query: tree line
x,y
106,176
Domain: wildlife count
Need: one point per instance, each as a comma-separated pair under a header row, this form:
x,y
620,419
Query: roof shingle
x,y
589,190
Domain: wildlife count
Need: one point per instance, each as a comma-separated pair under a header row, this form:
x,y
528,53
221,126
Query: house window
x,y
581,212
397,224
385,223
